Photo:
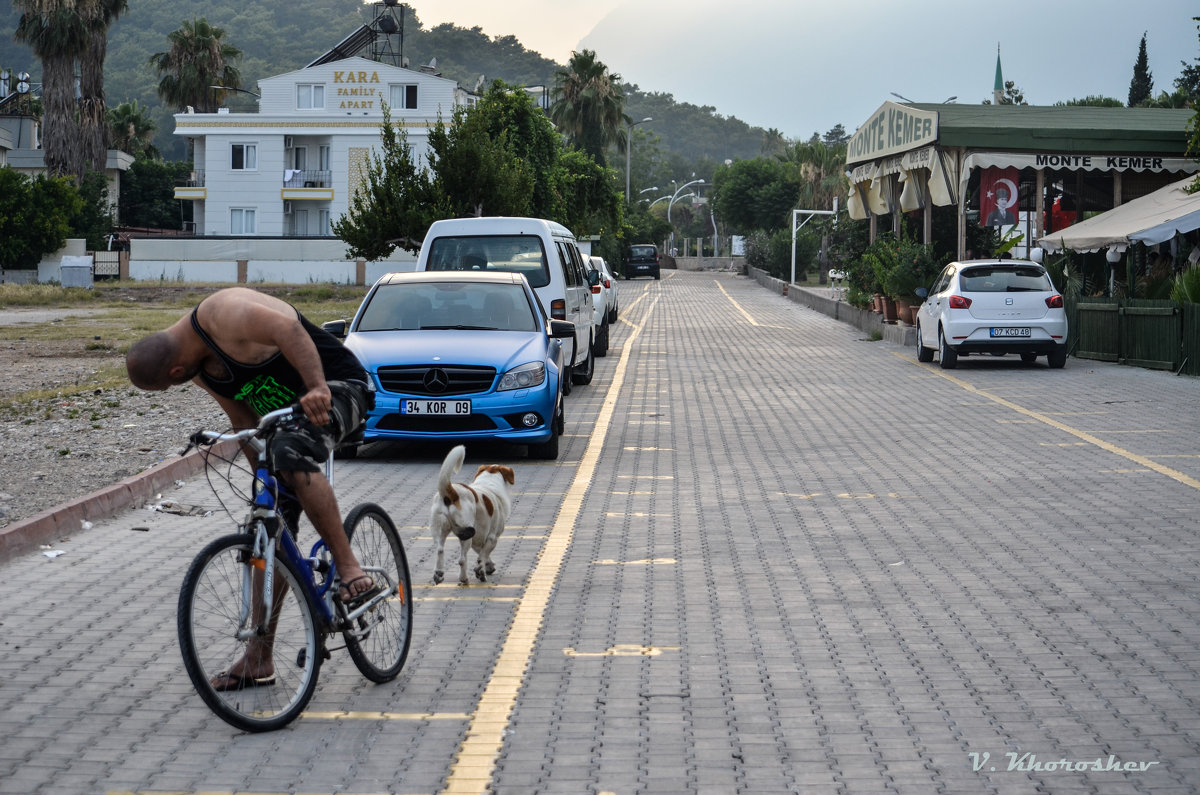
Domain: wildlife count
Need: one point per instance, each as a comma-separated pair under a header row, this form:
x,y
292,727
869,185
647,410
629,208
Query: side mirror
x,y
562,329
921,293
336,327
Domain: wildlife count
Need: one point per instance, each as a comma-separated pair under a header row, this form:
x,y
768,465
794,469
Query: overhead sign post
x,y
808,214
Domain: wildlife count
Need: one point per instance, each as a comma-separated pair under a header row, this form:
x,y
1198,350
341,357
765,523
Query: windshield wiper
x,y
459,328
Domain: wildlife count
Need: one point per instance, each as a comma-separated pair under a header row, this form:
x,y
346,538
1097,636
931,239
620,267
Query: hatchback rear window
x,y
1004,280
644,252
509,253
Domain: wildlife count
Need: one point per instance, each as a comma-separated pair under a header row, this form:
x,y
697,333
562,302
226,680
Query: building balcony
x,y
191,186
307,185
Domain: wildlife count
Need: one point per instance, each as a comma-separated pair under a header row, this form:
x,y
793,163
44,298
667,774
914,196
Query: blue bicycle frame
x,y
265,488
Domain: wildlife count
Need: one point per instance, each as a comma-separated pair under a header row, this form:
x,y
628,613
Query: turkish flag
x,y
998,196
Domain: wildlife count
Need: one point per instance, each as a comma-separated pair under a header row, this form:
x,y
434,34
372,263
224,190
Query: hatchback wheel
x,y
923,354
949,359
601,346
583,375
1029,358
1057,358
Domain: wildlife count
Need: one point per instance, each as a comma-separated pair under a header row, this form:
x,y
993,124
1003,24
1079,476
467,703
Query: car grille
x,y
435,424
436,381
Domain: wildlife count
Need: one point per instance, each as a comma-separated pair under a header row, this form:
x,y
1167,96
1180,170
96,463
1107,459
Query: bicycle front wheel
x,y
220,607
378,641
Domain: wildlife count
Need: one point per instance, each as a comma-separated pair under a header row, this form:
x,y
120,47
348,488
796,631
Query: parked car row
x,y
502,318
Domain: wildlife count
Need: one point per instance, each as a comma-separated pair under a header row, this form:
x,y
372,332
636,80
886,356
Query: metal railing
x,y
307,178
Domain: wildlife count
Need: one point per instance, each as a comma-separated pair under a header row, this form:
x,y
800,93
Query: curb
x,y
64,520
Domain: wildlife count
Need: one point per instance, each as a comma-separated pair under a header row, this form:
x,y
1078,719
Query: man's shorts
x,y
304,447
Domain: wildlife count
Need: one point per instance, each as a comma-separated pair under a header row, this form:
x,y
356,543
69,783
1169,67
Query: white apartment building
x,y
290,169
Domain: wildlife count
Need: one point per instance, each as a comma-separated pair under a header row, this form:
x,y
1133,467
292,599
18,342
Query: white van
x,y
544,251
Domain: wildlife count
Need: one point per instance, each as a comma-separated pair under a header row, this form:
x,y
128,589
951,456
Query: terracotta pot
x,y
904,311
877,303
889,310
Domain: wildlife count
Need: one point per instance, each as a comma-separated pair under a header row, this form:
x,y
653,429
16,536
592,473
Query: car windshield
x,y
510,253
448,305
993,279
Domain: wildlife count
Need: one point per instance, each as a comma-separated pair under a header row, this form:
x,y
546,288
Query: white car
x,y
995,306
604,299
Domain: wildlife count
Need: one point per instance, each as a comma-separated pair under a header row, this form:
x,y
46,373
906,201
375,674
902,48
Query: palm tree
x,y
130,129
818,169
197,60
93,110
58,33
589,105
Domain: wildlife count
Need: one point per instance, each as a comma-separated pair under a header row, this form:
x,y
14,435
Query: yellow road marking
x,y
1140,460
736,305
471,770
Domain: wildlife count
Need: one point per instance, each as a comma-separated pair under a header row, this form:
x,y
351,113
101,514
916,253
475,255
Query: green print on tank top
x,y
265,394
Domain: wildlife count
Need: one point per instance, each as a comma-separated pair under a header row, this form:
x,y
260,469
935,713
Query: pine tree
x,y
1141,87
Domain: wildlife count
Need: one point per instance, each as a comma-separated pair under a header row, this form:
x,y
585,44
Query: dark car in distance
x,y
642,261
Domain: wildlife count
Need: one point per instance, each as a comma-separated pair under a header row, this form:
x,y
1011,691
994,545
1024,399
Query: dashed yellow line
x,y
1140,460
736,305
471,771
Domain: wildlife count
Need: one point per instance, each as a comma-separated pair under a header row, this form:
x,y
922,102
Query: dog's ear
x,y
509,476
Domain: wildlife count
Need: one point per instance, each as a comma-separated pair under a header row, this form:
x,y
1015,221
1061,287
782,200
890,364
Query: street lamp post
x,y
628,149
672,203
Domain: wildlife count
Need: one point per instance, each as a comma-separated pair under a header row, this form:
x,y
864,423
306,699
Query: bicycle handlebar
x,y
265,423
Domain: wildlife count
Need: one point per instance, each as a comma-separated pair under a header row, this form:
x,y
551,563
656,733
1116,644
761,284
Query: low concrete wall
x,y
231,261
736,264
821,299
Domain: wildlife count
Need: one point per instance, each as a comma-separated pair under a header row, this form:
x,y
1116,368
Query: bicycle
x,y
229,583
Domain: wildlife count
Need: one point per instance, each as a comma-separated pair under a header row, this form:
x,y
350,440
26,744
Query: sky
x,y
803,67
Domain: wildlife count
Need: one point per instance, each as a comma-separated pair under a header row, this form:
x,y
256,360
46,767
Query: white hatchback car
x,y
995,306
604,298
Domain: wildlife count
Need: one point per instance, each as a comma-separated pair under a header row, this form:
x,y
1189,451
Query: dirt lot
x,y
70,423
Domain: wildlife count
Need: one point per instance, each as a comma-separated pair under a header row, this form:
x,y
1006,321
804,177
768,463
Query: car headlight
x,y
523,377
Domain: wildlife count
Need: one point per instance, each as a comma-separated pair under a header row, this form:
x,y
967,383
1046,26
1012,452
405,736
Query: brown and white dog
x,y
475,513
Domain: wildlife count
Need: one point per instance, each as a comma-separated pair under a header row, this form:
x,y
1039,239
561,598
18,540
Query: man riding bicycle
x,y
255,353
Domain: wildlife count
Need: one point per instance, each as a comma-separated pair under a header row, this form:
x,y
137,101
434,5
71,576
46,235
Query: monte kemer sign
x,y
892,129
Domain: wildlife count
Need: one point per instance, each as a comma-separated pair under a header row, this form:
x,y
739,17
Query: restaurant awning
x,y
1154,218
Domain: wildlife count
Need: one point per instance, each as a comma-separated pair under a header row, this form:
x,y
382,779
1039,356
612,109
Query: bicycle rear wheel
x,y
378,641
215,623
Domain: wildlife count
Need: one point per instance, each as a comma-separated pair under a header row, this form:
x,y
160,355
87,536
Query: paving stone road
x,y
774,557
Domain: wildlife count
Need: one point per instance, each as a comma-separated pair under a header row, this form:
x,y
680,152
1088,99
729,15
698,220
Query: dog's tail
x,y
453,463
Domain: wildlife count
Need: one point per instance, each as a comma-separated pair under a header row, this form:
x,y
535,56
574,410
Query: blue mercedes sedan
x,y
460,355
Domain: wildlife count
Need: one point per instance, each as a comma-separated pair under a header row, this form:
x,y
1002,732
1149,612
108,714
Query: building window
x,y
403,96
245,157
241,221
310,96
323,223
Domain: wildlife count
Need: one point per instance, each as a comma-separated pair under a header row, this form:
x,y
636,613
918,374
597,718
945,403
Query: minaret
x,y
998,89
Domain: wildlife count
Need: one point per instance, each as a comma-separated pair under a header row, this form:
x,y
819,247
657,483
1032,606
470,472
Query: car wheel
x,y
923,354
601,347
565,375
547,450
1029,358
1057,358
584,375
947,356
612,315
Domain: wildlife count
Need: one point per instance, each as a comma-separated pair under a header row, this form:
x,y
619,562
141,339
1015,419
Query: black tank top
x,y
275,383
